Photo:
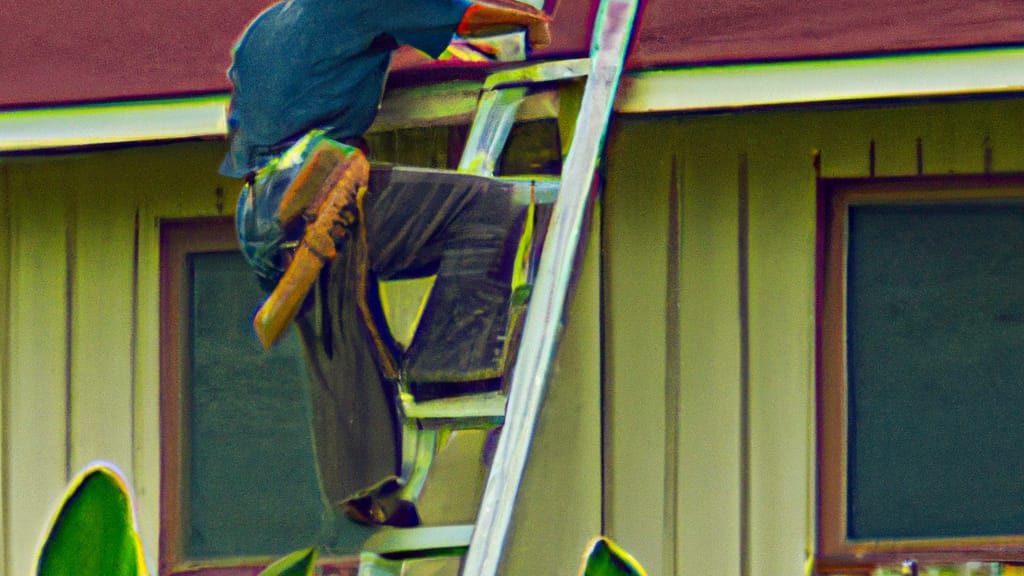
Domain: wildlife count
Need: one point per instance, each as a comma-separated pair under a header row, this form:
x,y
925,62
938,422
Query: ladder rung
x,y
409,541
537,73
488,407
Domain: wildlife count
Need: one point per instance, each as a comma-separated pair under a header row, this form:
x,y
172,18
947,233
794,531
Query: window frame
x,y
835,551
178,239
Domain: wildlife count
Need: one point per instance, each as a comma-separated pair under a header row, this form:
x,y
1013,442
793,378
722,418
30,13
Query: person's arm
x,y
486,19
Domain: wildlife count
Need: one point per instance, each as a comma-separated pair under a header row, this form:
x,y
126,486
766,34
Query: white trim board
x,y
948,73
112,123
703,88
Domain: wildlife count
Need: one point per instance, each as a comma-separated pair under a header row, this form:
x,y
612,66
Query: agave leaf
x,y
299,563
605,558
93,532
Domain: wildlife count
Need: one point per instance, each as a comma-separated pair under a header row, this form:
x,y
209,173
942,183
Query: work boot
x,y
382,505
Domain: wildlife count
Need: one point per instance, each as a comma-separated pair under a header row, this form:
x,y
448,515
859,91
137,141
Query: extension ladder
x,y
477,549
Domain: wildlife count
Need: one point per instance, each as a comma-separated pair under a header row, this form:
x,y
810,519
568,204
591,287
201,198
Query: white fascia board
x,y
703,88
112,123
931,74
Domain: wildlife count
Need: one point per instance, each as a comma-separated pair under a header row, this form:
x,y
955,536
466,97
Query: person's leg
x,y
461,338
352,358
463,228
353,409
410,222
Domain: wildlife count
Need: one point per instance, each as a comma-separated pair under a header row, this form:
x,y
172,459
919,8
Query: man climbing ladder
x,y
308,77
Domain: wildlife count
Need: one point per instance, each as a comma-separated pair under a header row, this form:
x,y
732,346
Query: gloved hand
x,y
500,16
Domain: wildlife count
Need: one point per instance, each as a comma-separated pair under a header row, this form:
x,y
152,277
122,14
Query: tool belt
x,y
292,216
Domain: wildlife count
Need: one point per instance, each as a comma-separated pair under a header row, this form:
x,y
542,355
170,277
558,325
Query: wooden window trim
x,y
178,238
835,551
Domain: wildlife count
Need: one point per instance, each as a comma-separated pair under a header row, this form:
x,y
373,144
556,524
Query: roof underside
x,y
87,51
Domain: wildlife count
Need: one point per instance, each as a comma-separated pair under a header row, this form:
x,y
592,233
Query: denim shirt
x,y
321,64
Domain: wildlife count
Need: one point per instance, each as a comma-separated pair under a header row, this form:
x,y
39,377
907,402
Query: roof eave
x,y
965,72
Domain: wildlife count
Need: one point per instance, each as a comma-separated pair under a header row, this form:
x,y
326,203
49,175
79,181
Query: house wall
x,y
81,271
708,292
5,312
698,290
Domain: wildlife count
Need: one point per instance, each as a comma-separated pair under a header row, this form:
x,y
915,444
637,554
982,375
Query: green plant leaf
x,y
299,563
605,558
93,532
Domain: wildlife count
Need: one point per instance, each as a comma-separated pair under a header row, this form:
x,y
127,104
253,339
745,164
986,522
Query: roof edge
x,y
691,89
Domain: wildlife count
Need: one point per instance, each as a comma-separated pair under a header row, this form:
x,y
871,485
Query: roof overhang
x,y
975,72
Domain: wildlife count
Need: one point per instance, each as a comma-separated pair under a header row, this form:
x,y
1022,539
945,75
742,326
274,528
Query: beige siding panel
x,y
101,318
146,455
1003,125
5,355
781,341
947,147
36,427
559,506
709,414
634,248
146,425
956,138
959,139
146,429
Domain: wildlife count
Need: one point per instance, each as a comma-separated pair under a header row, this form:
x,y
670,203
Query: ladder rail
x,y
501,98
503,93
496,112
545,314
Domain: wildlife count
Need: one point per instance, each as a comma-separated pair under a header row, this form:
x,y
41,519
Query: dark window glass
x,y
936,378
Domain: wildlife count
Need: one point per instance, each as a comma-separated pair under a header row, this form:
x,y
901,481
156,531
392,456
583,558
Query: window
x,y
921,370
239,486
533,148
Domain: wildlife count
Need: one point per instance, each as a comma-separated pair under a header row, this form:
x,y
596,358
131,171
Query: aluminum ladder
x,y
477,549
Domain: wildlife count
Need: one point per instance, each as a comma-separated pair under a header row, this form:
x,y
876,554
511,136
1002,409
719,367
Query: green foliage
x,y
93,532
300,563
605,558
